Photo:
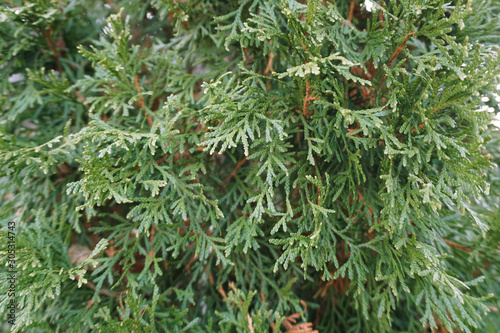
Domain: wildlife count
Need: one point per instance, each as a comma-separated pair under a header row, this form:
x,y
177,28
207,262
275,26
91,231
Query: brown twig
x,y
161,160
102,291
190,263
53,47
80,97
396,53
381,15
307,99
419,127
351,10
121,303
400,48
142,312
240,163
478,271
465,248
151,237
269,67
141,101
268,70
455,245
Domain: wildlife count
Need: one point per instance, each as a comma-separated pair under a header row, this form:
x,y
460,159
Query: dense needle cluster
x,y
252,165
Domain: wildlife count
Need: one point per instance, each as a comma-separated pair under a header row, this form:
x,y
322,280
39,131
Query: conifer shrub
x,y
249,166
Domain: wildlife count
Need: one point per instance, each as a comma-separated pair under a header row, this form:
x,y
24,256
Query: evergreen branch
x,y
104,292
360,196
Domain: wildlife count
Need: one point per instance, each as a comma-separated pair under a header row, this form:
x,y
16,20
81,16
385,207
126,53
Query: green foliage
x,y
237,165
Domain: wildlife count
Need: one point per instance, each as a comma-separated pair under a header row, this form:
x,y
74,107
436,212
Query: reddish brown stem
x,y
307,99
399,49
53,47
269,67
485,266
80,97
161,160
351,10
102,291
240,163
151,237
381,15
419,127
396,53
455,245
141,101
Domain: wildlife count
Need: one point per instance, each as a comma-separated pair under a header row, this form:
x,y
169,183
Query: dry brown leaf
x,y
250,324
222,292
291,327
304,304
290,320
302,328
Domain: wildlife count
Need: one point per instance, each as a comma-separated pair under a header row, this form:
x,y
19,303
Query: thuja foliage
x,y
251,166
